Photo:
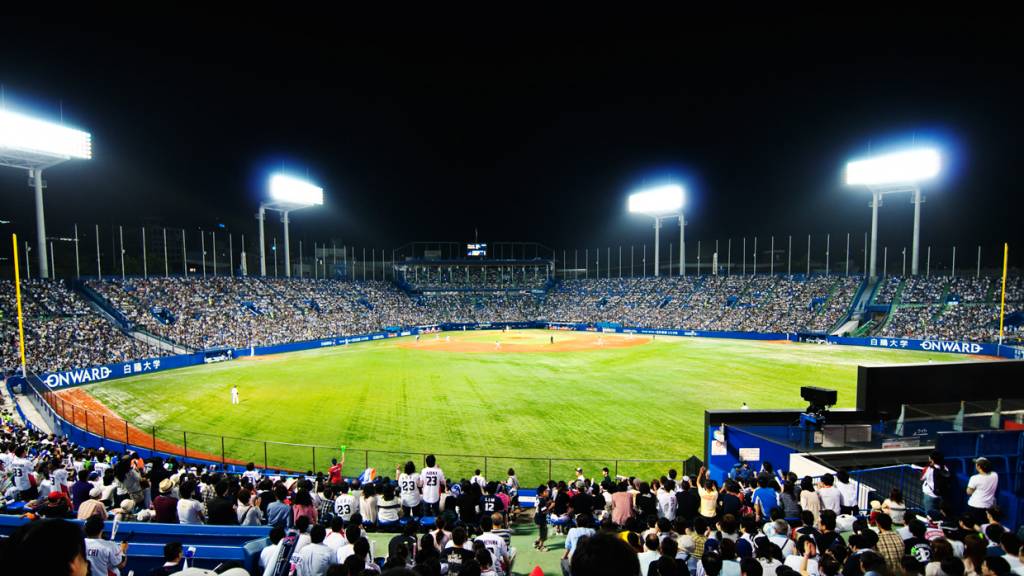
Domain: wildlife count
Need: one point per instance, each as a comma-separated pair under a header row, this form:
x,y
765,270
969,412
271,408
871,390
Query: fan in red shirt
x,y
335,470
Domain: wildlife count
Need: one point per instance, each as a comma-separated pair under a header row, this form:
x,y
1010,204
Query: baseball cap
x,y
579,469
55,495
95,493
687,544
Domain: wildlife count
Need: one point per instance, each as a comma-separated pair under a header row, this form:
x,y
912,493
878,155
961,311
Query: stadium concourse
x,y
103,322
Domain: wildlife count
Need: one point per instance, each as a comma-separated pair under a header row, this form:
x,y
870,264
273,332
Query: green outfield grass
x,y
588,406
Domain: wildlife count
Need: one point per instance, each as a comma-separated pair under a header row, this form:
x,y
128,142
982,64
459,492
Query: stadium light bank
x,y
287,193
658,203
35,145
891,173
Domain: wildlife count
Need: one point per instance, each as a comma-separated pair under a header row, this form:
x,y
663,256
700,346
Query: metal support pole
x,y
657,250
755,255
917,230
876,201
213,241
771,260
977,273
728,264
202,248
145,269
885,261
952,269
620,261
744,252
682,244
808,255
120,234
928,264
904,260
287,253
231,253
184,254
669,259
698,258
789,256
828,248
37,182
78,269
167,269
261,216
300,258
847,254
53,267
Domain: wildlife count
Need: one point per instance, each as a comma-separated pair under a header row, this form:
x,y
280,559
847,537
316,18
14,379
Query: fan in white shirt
x,y
409,485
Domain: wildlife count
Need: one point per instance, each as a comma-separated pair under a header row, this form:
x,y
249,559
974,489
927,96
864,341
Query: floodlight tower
x,y
662,202
287,193
35,145
891,173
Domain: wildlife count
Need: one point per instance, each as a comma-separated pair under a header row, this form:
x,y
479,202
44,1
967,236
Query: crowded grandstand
x,y
76,325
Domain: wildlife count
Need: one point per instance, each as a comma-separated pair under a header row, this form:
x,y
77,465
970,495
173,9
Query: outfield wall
x,y
92,374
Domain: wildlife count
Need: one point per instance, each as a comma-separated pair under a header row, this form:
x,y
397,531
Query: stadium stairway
x,y
108,311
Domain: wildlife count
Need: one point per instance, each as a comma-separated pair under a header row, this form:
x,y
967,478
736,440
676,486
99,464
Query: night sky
x,y
533,136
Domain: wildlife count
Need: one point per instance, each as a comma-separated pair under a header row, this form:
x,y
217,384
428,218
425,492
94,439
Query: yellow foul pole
x,y
17,292
1002,302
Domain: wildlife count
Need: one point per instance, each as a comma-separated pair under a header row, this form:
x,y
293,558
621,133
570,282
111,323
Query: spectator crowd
x,y
64,330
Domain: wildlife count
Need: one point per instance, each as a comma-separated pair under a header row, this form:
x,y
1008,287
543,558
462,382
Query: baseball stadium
x,y
277,396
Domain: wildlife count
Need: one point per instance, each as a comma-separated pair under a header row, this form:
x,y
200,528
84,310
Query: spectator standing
x,y
981,489
433,483
831,498
104,557
809,500
935,482
848,492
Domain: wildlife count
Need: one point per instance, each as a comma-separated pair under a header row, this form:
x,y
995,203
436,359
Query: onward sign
x,y
943,346
76,377
928,345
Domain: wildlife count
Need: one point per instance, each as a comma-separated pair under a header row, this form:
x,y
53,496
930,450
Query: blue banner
x,y
951,346
91,375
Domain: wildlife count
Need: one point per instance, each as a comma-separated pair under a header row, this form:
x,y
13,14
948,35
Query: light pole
x,y
35,145
889,174
287,193
658,203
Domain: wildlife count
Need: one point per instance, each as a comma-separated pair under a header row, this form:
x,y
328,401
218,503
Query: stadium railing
x,y
89,427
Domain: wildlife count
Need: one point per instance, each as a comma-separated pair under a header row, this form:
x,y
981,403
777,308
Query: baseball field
x,y
519,398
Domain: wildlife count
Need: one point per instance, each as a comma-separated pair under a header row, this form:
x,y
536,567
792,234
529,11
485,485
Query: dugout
x,y
967,409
